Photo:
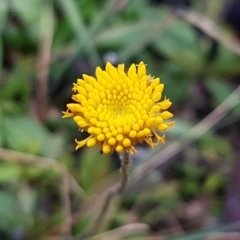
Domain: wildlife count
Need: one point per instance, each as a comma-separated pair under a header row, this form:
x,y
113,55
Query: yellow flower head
x,y
119,109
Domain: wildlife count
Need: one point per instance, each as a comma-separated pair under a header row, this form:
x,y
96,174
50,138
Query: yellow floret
x,y
119,109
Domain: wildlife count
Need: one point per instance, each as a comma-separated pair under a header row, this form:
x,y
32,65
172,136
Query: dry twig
x,y
44,58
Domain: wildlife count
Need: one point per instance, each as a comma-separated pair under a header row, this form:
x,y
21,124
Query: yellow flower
x,y
119,109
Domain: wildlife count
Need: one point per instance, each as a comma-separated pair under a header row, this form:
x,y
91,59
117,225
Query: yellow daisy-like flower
x,y
119,109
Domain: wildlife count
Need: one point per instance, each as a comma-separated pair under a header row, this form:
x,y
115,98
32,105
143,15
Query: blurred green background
x,y
185,189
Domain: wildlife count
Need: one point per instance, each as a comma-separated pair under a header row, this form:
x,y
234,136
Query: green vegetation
x,y
177,191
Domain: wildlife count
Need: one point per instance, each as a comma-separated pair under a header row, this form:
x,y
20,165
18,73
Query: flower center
x,y
123,108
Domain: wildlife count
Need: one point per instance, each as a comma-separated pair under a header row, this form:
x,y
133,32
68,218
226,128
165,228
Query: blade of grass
x,y
135,34
84,39
125,34
108,11
29,12
134,49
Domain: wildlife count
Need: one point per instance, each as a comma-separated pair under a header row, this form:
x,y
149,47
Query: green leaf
x,y
29,11
123,35
219,89
226,63
18,84
93,167
213,182
27,198
180,44
3,13
98,20
11,213
190,188
172,74
144,32
181,127
24,134
53,146
9,172
217,146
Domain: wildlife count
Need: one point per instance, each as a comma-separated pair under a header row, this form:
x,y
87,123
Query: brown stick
x,y
44,58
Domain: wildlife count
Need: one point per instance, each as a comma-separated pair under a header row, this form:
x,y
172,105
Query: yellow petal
x,y
81,143
159,88
156,97
74,107
112,71
120,68
141,70
132,72
163,127
166,115
165,104
155,82
91,142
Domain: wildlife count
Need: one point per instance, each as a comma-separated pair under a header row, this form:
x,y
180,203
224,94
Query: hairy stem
x,y
125,160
